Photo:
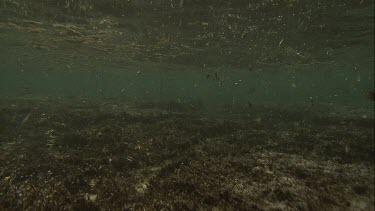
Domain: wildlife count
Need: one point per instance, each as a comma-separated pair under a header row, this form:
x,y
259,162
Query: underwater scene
x,y
187,105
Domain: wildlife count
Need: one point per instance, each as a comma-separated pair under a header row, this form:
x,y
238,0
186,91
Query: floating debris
x,y
27,117
311,101
91,197
217,76
358,77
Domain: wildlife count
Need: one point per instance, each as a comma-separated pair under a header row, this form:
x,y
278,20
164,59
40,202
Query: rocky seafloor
x,y
81,155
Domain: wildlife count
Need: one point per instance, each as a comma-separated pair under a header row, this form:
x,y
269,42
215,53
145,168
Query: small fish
x,y
371,95
207,75
250,67
249,104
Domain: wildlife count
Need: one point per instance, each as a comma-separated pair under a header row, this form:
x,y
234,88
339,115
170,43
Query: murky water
x,y
112,112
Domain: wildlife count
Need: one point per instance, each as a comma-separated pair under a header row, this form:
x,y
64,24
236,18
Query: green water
x,y
332,84
67,71
186,105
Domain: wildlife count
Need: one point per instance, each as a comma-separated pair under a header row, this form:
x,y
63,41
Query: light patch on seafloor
x,y
147,174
